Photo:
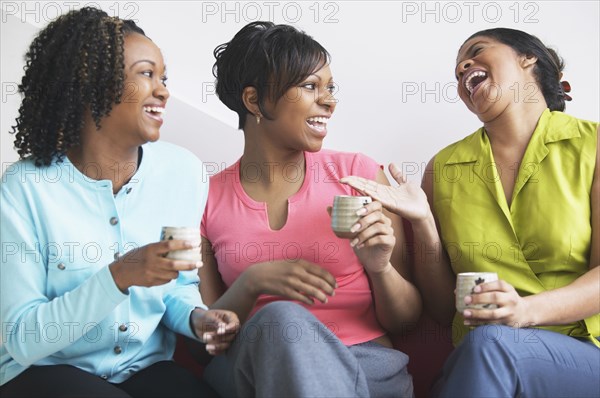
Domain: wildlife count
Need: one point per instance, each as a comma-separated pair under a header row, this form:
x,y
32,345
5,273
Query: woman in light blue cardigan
x,y
89,303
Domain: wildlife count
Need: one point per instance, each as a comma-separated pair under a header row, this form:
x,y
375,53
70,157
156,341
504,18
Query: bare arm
x,y
432,271
397,301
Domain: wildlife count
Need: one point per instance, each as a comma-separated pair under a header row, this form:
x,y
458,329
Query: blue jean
x,y
500,361
284,351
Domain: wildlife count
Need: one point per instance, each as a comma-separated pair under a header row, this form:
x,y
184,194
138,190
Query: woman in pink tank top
x,y
316,309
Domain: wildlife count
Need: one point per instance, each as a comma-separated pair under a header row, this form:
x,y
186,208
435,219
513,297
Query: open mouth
x,y
474,79
155,112
318,123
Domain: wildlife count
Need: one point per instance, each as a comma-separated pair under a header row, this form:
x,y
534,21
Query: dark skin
x,y
282,142
509,125
113,151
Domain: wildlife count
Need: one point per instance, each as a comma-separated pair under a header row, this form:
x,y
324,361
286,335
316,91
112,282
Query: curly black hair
x,y
74,64
271,58
549,65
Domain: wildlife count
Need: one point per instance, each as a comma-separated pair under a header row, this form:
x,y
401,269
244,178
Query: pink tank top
x,y
238,228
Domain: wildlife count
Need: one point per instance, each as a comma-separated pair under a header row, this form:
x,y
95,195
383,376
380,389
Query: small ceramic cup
x,y
190,234
465,282
343,214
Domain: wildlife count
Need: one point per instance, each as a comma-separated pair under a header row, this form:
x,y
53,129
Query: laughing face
x,y
139,116
493,77
300,117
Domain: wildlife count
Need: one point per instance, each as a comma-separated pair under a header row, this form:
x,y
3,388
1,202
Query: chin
x,y
486,112
315,147
152,137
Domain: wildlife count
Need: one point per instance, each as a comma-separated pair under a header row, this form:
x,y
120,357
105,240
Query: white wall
x,y
393,62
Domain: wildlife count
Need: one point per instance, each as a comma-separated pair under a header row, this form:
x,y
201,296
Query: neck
x,y
515,126
268,164
99,159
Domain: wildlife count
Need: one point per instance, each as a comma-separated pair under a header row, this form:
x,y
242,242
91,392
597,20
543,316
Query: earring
x,y
258,118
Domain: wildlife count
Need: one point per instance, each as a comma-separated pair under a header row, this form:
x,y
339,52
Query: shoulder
x,y
344,163
24,173
577,135
569,121
464,148
348,157
172,153
24,184
222,185
587,129
173,163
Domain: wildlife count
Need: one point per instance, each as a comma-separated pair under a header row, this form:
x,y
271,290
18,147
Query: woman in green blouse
x,y
519,197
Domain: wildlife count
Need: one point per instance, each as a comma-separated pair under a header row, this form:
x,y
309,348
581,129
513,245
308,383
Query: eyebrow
x,y
319,77
142,60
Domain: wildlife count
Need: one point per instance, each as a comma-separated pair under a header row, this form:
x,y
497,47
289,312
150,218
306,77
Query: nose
x,y
160,91
327,99
462,67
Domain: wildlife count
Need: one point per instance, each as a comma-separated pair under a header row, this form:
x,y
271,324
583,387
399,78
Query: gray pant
x,y
284,351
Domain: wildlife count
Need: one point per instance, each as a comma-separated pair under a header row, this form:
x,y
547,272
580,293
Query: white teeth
x,y
155,109
322,120
468,80
318,127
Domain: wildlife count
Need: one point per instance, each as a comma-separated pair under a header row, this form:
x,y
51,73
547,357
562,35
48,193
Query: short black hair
x,y
549,65
271,58
75,63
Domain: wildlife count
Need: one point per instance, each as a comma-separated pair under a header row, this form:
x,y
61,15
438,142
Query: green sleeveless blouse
x,y
543,240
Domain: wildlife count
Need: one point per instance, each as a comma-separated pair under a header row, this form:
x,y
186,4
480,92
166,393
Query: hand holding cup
x,y
343,214
466,282
157,263
188,234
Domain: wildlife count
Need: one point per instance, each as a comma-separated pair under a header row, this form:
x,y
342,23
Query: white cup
x,y
190,234
343,214
465,282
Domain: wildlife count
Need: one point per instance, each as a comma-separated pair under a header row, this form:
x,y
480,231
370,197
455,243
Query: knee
x,y
281,311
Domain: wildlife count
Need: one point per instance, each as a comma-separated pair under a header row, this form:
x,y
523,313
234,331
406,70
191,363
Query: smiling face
x,y
138,118
493,77
300,117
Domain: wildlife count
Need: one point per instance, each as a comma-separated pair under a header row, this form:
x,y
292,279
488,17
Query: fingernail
x,y
198,264
189,244
210,347
466,313
361,211
355,228
206,337
467,299
354,242
477,289
467,323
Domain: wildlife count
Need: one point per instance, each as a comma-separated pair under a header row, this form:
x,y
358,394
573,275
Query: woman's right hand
x,y
407,199
147,266
295,280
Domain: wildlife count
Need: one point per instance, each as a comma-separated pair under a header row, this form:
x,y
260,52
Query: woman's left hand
x,y
375,240
513,310
216,328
